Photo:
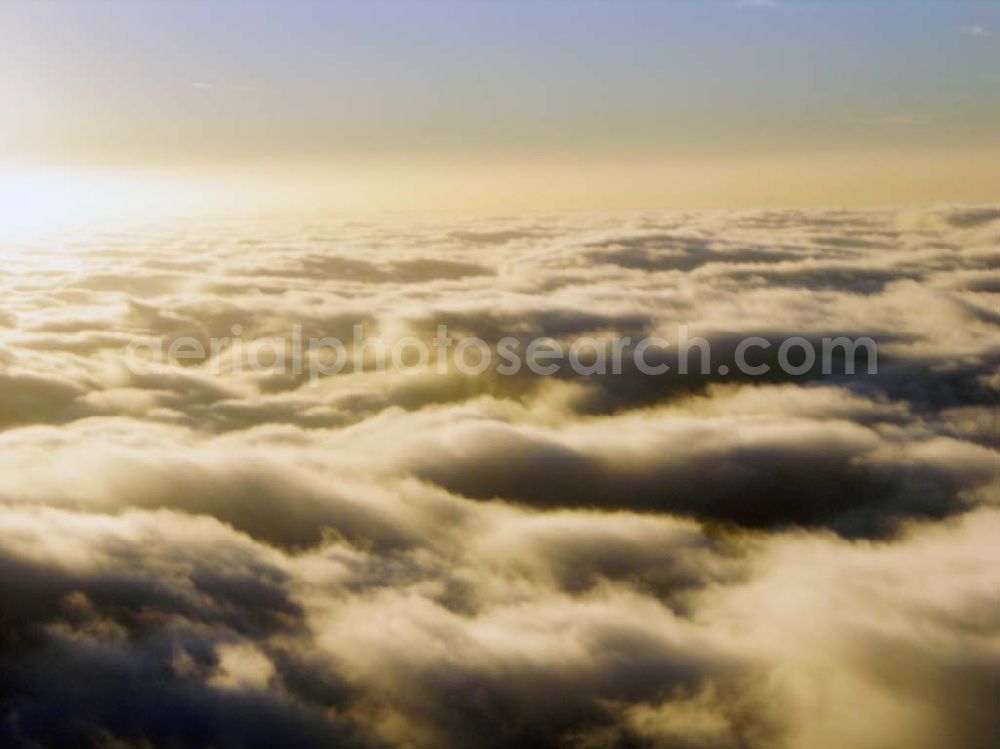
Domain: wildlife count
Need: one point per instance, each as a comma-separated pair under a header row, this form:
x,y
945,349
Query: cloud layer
x,y
240,559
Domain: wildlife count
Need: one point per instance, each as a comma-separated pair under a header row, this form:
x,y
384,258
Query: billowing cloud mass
x,y
211,556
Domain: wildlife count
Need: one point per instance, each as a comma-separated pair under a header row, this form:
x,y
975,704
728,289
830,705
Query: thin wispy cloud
x,y
977,31
892,120
757,3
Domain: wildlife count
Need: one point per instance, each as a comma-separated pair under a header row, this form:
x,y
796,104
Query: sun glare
x,y
40,202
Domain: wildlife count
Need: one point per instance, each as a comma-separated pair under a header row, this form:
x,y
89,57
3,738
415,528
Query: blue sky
x,y
224,82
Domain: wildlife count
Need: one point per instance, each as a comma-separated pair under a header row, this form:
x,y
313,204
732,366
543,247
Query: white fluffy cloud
x,y
211,557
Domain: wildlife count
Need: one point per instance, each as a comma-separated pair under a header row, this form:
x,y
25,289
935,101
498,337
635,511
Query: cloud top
x,y
197,558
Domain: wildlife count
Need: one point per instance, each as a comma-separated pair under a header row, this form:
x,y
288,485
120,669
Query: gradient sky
x,y
517,104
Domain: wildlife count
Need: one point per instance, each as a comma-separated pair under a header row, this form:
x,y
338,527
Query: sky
x,y
500,104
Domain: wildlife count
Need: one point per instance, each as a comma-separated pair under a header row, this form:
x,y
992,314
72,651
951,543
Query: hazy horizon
x,y
498,106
